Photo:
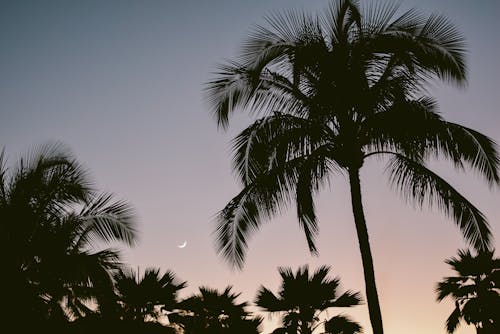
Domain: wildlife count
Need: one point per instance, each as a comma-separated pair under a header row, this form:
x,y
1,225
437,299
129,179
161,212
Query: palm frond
x,y
444,49
341,16
268,301
287,32
268,194
478,150
342,324
255,147
235,222
312,175
414,128
378,17
240,86
448,287
233,88
108,221
281,141
407,22
467,264
418,47
348,299
453,320
418,183
49,180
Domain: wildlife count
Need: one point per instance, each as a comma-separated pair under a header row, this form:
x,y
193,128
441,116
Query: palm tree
x,y
302,298
211,311
336,89
149,296
475,289
51,222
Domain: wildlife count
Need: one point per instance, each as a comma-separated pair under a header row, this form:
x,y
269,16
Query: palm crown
x,y
303,297
212,311
335,90
51,219
149,295
475,289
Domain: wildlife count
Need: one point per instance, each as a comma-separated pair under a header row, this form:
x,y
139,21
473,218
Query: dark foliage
x,y
475,289
303,298
51,221
214,312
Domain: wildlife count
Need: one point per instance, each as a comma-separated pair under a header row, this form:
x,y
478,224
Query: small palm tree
x,y
147,297
332,91
51,220
214,312
303,298
475,289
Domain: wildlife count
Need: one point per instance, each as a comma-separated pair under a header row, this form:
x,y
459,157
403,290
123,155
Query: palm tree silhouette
x,y
214,312
51,222
334,90
475,289
303,298
149,296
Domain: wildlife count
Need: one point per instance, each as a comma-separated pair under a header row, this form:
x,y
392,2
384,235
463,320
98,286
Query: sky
x,y
120,83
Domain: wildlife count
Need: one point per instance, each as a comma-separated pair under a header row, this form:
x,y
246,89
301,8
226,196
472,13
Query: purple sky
x,y
120,83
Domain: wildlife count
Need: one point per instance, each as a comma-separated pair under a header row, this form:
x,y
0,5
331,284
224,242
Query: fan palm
x,y
51,220
302,298
334,90
148,296
211,311
475,289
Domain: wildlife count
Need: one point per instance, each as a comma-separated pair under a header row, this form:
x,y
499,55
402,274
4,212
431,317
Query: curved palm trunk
x,y
366,255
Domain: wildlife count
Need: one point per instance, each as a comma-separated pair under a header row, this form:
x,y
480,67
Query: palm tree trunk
x,y
366,255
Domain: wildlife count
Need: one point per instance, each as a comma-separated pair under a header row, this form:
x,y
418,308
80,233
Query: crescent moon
x,y
183,244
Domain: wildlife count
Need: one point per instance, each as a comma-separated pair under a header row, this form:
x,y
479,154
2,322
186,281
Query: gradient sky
x,y
120,83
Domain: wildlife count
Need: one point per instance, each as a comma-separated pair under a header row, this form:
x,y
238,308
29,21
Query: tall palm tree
x,y
211,311
336,89
147,296
302,298
51,222
475,289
